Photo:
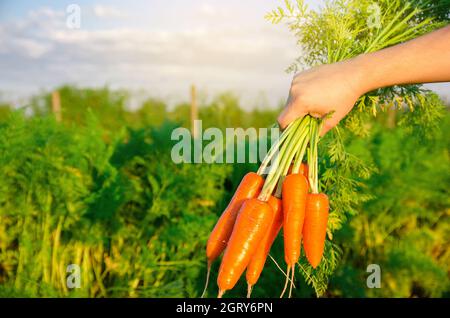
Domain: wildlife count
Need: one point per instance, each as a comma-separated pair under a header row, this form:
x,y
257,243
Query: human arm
x,y
336,87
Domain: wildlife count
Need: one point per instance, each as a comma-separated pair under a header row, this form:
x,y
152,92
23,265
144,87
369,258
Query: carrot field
x,y
104,194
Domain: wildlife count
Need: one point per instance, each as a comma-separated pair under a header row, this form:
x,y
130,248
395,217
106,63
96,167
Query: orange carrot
x,y
258,259
302,170
249,187
294,193
252,223
295,190
315,227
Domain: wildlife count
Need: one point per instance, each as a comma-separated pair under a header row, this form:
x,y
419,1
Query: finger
x,y
331,122
289,114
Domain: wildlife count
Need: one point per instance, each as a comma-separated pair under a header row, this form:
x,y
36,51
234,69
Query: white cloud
x,y
28,38
45,12
207,9
105,11
30,47
43,53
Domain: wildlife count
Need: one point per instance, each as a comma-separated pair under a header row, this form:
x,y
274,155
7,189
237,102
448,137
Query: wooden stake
x,y
56,105
194,111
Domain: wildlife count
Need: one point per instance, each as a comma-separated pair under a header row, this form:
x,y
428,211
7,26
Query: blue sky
x,y
153,47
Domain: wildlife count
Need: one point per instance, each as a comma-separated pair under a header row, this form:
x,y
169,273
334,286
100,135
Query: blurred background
x,y
87,106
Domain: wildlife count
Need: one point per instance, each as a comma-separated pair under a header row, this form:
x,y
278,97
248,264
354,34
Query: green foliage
x,y
5,110
405,227
135,224
114,203
45,192
153,112
103,103
437,9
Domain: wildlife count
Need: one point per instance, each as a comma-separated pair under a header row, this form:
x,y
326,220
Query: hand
x,y
322,90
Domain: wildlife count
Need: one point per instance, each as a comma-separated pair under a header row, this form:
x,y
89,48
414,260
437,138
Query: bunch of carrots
x,y
284,195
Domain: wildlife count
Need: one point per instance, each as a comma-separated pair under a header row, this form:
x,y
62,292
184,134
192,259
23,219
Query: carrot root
x,y
249,290
278,266
292,281
286,282
207,279
221,292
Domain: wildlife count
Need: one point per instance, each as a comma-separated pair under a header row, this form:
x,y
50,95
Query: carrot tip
x,y
313,263
207,278
221,292
286,282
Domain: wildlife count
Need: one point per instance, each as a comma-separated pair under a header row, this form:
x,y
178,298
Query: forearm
x,y
422,60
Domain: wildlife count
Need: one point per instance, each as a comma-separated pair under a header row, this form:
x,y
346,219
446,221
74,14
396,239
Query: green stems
x,y
313,173
300,142
274,172
275,147
292,143
300,153
290,149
